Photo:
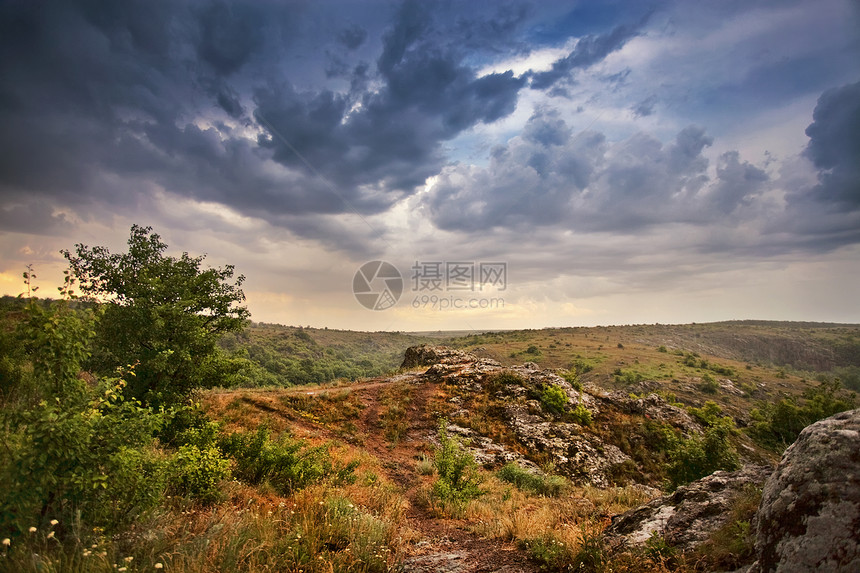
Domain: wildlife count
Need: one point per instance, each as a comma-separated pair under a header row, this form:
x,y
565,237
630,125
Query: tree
x,y
162,313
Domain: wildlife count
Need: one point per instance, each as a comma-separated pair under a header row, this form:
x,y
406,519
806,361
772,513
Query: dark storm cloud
x,y
103,100
834,145
86,83
376,147
588,51
352,37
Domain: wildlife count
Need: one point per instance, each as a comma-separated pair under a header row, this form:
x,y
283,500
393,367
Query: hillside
x,y
292,355
513,452
551,475
295,355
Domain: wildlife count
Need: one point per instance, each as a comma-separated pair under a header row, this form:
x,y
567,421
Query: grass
x,y
356,528
361,526
393,419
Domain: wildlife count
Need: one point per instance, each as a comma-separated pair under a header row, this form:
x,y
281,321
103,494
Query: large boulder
x,y
688,517
809,517
428,355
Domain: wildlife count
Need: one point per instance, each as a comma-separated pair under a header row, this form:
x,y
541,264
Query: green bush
x,y
698,456
709,385
88,453
554,399
458,473
572,378
581,415
709,414
82,453
284,463
778,425
548,551
197,472
549,486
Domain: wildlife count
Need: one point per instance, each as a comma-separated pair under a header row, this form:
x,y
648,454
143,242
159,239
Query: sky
x,y
514,164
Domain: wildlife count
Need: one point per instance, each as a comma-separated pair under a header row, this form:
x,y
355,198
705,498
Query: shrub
x,y
498,380
458,473
82,453
581,415
86,452
548,551
778,425
581,366
550,486
197,472
284,463
698,456
709,385
553,398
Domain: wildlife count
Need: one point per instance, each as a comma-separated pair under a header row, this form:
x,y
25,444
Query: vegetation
x,y
777,425
109,462
695,457
554,399
458,478
550,486
162,313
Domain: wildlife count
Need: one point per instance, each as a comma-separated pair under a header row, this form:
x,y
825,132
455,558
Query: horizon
x,y
372,166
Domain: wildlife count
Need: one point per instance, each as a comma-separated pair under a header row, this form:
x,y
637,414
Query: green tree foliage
x,y
162,312
81,449
778,425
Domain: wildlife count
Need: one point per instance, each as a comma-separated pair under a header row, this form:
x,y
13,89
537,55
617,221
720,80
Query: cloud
x,y
834,146
352,36
588,51
551,176
645,107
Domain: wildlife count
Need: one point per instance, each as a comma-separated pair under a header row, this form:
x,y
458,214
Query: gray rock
x,y
688,517
485,451
809,518
580,456
428,355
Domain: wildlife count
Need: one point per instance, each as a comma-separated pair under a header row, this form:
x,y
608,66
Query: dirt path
x,y
446,546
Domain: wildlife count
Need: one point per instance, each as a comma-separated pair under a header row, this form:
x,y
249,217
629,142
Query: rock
x,y
656,408
427,355
809,518
582,457
485,451
688,517
728,387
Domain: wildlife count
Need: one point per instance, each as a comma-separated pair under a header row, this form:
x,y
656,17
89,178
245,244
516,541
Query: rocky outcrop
x,y
574,448
809,518
656,408
427,355
688,517
485,451
583,457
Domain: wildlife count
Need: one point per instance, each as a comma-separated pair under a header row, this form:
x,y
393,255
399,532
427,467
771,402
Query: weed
x,y
550,486
458,479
